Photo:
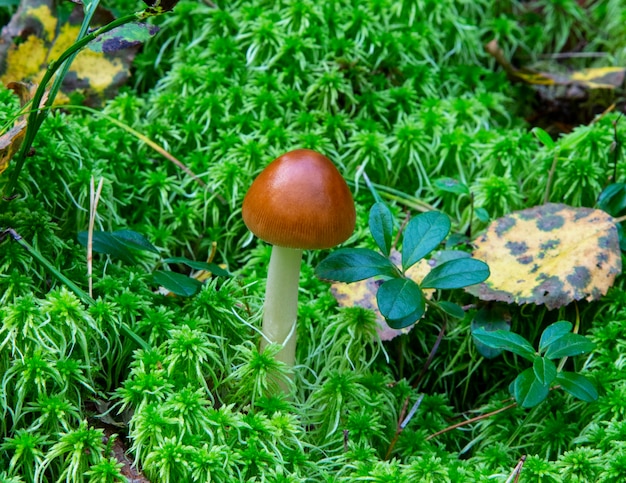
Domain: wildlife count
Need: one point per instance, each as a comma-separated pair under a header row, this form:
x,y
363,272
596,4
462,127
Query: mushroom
x,y
298,202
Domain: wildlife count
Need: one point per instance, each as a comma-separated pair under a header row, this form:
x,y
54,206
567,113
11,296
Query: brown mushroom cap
x,y
300,201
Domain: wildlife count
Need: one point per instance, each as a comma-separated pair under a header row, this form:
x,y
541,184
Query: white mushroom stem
x,y
280,311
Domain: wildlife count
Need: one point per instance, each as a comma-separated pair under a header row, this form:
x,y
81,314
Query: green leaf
x,y
401,302
104,242
577,385
118,244
135,240
613,199
452,309
544,137
502,339
482,214
527,390
451,185
354,264
490,318
422,235
209,267
569,345
405,321
177,283
554,332
456,274
545,370
381,226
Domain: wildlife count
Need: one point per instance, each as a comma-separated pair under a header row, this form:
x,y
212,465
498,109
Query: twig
x,y
470,421
517,471
404,423
574,55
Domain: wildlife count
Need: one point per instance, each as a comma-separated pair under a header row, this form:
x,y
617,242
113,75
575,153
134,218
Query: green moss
x,y
399,92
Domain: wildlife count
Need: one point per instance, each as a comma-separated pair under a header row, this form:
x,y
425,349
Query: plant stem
x,y
56,85
280,311
546,195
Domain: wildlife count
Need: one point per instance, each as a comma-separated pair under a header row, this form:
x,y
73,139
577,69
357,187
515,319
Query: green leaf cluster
x,y
533,385
400,299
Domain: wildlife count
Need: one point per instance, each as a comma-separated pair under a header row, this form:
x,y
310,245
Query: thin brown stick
x,y
470,421
517,471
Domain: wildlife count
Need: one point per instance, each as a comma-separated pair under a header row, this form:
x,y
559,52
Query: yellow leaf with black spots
x,y
551,254
35,37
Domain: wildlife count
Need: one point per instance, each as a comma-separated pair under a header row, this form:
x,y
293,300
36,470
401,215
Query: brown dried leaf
x,y
551,254
11,141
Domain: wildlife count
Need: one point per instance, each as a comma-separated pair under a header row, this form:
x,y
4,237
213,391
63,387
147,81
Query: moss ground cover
x,y
399,94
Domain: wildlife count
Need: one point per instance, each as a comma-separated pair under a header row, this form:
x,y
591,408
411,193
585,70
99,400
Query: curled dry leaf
x,y
551,254
363,294
11,140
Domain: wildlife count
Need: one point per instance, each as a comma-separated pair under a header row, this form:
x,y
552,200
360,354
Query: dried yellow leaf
x,y
551,254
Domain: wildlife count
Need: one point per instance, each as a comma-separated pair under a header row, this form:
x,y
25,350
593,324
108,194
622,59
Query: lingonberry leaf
x,y
554,332
452,309
456,274
545,370
196,265
490,318
354,264
451,185
134,240
569,345
527,390
177,283
401,302
577,385
510,341
363,294
381,226
422,235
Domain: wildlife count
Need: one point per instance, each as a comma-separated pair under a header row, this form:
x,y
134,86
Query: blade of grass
x,y
94,196
80,293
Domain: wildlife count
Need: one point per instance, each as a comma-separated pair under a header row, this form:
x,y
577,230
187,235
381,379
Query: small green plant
x,y
533,385
401,299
